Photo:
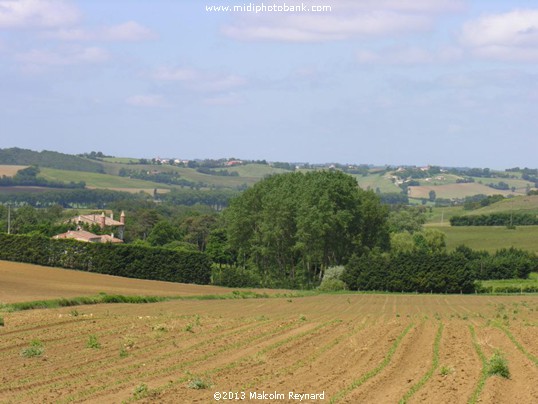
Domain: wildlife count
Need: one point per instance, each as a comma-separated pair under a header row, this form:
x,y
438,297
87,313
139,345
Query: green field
x,y
520,204
95,180
517,283
255,170
121,160
374,181
442,215
489,238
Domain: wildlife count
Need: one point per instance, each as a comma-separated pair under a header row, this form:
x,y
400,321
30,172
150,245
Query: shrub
x,y
332,285
235,277
498,365
335,272
93,342
36,349
199,384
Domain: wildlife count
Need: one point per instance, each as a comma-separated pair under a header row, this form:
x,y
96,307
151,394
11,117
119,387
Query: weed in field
x,y
446,370
302,317
199,384
123,352
36,349
93,342
140,391
74,313
160,327
197,319
498,365
189,328
1,321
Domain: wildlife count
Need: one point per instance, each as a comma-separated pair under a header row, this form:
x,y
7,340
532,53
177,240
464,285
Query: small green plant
x,y
189,328
1,321
199,384
36,349
302,317
123,352
74,313
446,370
498,365
140,391
93,342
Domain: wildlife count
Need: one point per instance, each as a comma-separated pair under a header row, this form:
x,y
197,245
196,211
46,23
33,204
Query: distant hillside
x,y
51,159
519,204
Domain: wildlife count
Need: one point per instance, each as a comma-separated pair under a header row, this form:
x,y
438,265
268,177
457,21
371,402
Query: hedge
x,y
410,272
495,219
112,259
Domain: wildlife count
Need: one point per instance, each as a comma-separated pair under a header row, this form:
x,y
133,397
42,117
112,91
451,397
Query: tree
x,y
300,224
163,233
432,196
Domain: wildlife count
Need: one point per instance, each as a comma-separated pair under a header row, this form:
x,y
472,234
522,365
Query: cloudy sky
x,y
447,82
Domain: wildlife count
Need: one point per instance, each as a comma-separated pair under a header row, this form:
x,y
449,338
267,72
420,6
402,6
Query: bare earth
x,y
354,348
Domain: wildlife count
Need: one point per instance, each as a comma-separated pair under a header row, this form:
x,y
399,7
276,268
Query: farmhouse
x,y
86,236
100,220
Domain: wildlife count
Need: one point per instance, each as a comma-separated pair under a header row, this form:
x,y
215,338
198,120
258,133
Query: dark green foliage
x,y
215,198
121,260
410,272
234,277
45,158
75,198
495,219
394,198
290,227
504,264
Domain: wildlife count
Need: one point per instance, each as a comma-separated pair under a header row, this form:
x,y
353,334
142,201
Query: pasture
x,y
489,238
350,347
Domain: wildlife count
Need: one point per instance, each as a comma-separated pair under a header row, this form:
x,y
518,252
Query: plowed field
x,y
352,348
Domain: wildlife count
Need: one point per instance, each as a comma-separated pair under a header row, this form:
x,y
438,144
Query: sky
x,y
415,82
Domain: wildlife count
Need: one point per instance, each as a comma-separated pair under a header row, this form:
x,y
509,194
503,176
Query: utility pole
x,y
8,219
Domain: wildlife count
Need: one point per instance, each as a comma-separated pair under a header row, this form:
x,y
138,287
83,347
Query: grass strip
x,y
518,345
104,298
484,373
388,357
428,375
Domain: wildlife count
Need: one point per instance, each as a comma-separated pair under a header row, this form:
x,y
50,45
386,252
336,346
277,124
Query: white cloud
x,y
199,80
409,56
147,100
40,58
37,13
128,31
347,19
507,36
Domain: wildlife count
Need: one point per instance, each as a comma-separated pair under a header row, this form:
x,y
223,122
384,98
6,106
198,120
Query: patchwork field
x,y
456,191
351,347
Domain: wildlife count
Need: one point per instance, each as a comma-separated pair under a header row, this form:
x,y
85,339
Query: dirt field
x,y
9,171
353,348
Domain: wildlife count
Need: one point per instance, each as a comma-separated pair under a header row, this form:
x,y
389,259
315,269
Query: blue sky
x,y
445,82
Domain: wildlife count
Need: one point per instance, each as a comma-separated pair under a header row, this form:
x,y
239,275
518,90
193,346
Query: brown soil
x,y
314,344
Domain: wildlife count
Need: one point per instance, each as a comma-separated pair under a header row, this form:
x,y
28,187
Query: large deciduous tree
x,y
300,224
